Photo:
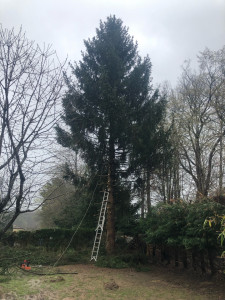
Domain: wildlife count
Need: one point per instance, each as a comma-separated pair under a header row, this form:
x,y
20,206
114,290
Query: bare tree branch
x,y
31,82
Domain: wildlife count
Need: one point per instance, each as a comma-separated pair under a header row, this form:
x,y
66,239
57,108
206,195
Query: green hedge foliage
x,y
182,225
52,238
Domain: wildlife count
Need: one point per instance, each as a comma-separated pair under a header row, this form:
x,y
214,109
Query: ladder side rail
x,y
96,246
103,208
95,252
99,229
95,242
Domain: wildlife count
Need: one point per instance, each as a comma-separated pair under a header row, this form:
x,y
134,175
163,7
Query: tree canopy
x,y
108,96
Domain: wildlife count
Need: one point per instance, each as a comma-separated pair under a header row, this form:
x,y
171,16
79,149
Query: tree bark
x,y
176,256
143,199
194,262
184,258
110,224
211,261
202,261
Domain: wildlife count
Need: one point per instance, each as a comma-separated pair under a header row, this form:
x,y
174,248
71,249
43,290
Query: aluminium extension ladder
x,y
99,229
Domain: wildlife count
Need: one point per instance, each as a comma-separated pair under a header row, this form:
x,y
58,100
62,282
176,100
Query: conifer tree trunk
x,y
184,258
176,256
110,224
194,261
143,200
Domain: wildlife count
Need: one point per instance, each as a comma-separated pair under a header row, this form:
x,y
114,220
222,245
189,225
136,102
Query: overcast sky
x,y
170,31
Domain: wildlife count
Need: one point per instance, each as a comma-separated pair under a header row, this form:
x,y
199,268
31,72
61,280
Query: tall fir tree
x,y
102,104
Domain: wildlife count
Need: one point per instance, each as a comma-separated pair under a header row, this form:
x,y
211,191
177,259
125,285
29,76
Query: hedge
x,y
51,238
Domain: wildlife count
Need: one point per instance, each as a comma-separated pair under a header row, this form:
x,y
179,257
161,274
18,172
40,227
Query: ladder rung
x,y
99,228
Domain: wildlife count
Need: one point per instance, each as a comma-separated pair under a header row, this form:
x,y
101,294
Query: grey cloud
x,y
169,31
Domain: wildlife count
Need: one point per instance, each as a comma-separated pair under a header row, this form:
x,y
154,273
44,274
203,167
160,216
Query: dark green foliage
x,y
126,212
114,262
53,239
181,224
112,83
132,260
108,103
12,257
197,235
109,98
149,137
165,224
150,144
44,247
69,203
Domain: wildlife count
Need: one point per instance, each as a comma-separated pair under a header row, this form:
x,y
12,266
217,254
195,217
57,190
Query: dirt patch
x,y
35,297
57,279
34,283
9,296
112,285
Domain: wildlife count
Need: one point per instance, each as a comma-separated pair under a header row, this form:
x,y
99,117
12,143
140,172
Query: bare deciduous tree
x,y
31,82
199,116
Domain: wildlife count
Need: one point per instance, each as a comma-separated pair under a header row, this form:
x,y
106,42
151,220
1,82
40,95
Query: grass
x,y
12,256
90,282
27,284
136,279
20,286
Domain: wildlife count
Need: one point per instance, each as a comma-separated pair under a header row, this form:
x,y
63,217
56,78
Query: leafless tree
x,y
213,65
198,108
31,81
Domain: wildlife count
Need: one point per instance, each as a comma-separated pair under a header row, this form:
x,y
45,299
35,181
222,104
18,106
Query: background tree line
x,y
147,145
143,144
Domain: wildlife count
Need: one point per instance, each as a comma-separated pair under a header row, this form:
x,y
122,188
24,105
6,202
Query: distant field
x,y
93,282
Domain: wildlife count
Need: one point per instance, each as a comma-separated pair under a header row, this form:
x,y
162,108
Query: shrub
x,y
181,224
165,224
198,236
52,239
